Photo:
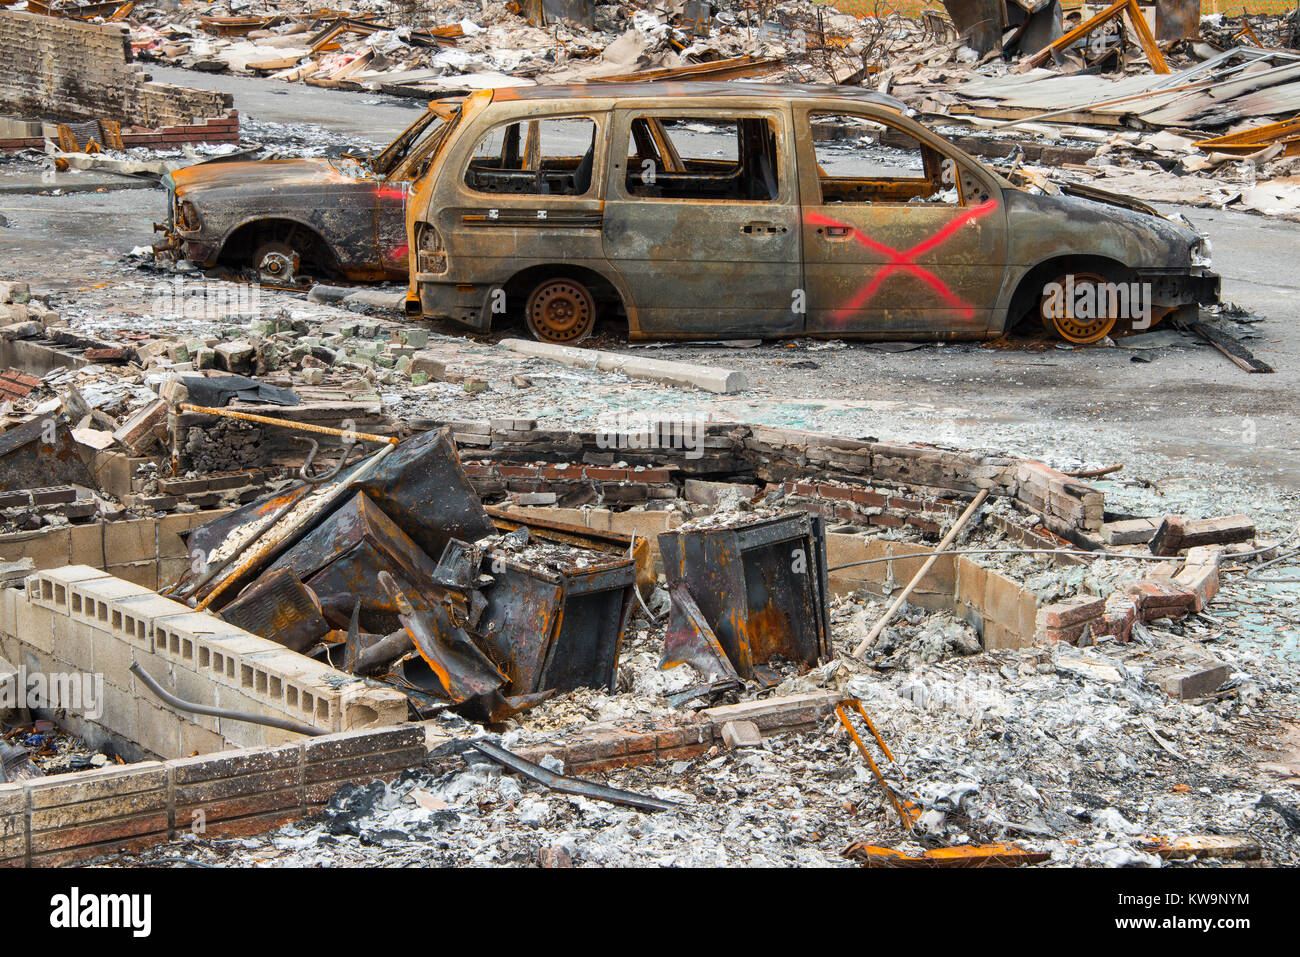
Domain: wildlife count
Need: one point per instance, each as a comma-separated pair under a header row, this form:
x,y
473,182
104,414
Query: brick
x,y
1118,616
1072,611
1158,598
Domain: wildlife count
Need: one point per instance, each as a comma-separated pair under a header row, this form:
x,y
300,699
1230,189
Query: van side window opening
x,y
535,157
863,161
703,158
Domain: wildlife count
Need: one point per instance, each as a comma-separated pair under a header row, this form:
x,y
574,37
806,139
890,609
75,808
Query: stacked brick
x,y
1142,600
63,819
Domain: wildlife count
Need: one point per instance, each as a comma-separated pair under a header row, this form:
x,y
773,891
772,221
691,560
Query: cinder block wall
x,y
1002,610
84,71
146,551
78,619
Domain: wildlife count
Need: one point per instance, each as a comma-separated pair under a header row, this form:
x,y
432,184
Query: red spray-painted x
x,y
905,261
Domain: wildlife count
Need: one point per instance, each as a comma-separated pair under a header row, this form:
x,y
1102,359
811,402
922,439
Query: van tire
x,y
560,310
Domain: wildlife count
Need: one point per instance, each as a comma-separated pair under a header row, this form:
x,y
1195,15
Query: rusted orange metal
x,y
1286,132
971,855
290,424
906,810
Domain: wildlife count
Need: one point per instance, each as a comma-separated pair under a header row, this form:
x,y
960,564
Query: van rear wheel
x,y
562,311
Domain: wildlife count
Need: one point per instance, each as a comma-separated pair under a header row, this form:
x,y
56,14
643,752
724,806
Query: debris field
x,y
649,434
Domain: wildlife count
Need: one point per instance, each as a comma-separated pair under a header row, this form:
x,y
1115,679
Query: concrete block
x,y
741,734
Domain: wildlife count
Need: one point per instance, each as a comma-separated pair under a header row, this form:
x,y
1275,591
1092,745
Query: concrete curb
x,y
723,381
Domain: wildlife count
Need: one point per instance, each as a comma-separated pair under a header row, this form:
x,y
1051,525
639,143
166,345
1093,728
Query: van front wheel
x,y
561,311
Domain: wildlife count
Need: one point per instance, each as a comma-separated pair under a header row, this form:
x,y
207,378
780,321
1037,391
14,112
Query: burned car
x,y
707,210
289,218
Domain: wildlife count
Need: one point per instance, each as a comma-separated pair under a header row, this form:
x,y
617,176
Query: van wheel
x,y
562,311
1069,328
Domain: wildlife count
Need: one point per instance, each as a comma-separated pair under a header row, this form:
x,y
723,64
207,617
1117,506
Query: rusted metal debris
x,y
757,592
279,603
495,625
41,452
975,855
567,785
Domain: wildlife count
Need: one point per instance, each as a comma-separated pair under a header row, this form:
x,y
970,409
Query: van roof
x,y
672,89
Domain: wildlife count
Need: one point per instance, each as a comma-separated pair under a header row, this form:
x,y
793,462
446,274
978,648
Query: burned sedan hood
x,y
1098,224
255,176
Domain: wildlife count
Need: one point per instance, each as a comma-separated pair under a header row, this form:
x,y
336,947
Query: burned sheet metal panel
x,y
761,587
345,555
423,488
690,639
1177,20
461,669
204,541
41,452
280,608
981,21
553,627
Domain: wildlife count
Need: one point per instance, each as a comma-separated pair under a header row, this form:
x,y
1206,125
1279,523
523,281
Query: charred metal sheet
x,y
558,628
566,785
346,554
423,488
575,11
41,452
761,588
205,539
279,608
462,671
980,21
689,639
1177,20
221,390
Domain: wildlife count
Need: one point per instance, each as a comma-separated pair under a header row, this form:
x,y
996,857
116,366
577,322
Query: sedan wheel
x,y
1061,320
277,263
561,311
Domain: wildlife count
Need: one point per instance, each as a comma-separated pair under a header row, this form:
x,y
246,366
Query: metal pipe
x,y
284,724
288,424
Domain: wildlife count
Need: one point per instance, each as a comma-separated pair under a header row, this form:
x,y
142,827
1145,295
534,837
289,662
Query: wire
x,y
1092,555
1007,551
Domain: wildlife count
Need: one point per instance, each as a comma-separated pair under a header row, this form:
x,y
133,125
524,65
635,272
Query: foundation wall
x,y
145,551
999,608
79,620
84,70
60,820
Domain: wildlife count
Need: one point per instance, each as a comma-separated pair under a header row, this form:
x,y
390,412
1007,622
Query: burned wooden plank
x,y
1230,347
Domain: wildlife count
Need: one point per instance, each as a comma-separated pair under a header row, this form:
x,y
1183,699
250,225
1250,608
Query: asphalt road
x,y
1188,411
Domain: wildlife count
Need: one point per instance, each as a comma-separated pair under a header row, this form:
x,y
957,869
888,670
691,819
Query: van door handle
x,y
837,232
761,228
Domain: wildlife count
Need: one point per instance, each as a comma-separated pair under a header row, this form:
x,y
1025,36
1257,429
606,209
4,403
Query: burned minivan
x,y
708,210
